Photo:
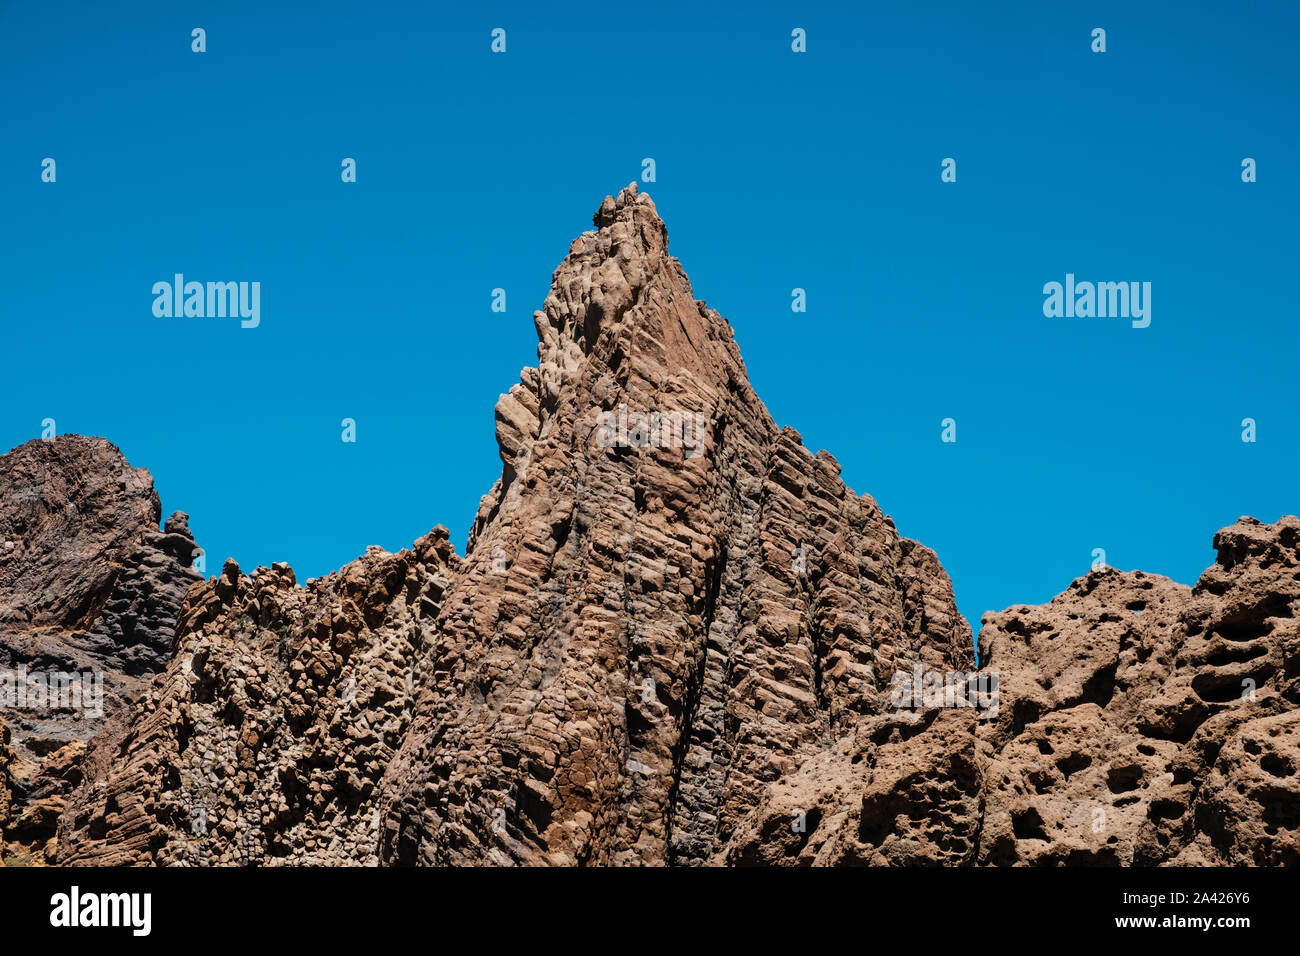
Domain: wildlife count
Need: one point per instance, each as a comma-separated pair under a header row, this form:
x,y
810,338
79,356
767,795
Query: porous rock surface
x,y
643,638
1139,722
1145,722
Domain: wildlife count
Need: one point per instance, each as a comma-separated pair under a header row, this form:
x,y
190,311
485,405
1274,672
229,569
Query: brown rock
x,y
1139,722
652,623
89,586
1130,702
678,638
265,740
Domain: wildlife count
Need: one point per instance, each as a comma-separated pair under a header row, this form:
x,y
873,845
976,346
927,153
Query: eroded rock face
x,y
89,592
6,782
648,628
1140,722
265,741
650,625
1144,702
675,639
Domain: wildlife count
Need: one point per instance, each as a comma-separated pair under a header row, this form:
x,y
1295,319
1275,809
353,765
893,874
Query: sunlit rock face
x,y
676,637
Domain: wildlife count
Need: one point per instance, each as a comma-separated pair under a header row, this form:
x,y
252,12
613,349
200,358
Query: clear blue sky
x,y
775,170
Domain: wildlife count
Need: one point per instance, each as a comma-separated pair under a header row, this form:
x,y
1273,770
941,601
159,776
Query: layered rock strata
x,y
677,637
90,587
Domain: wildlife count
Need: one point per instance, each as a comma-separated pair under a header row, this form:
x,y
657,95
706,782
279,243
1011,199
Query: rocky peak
x,y
621,326
70,508
667,603
652,528
677,637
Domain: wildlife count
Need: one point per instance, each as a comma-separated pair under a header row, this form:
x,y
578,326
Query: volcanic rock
x,y
649,627
265,741
1139,722
677,637
89,586
645,633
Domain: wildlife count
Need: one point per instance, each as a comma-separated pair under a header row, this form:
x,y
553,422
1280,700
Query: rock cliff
x,y
89,592
668,602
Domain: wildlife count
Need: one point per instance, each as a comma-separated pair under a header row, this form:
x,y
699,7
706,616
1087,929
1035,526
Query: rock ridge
x,y
676,637
89,586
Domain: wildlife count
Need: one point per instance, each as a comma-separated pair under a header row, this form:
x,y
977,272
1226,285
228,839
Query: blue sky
x,y
774,170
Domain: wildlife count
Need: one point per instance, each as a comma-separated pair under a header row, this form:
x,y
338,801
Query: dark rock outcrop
x,y
89,592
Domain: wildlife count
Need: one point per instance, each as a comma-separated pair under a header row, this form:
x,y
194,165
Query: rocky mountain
x,y
89,592
677,637
1139,722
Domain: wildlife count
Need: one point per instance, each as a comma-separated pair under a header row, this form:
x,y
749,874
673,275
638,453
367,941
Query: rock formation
x,y
89,586
1145,722
676,637
649,629
1139,722
265,741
